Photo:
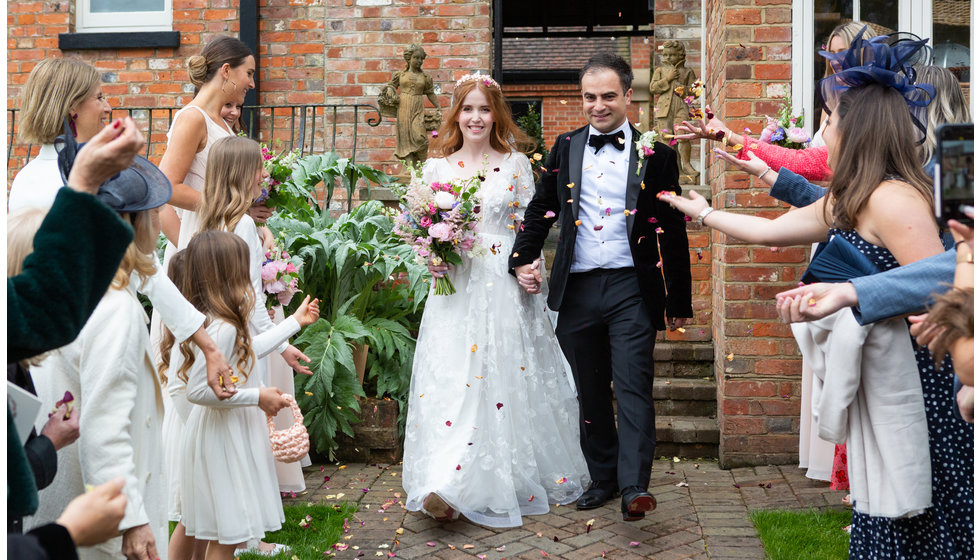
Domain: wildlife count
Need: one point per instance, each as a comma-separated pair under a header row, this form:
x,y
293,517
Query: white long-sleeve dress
x,y
227,479
492,424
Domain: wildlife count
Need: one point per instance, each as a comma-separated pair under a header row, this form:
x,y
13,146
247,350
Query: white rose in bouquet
x,y
444,200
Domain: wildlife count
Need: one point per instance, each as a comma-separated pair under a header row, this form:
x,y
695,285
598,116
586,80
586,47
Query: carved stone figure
x,y
670,108
404,98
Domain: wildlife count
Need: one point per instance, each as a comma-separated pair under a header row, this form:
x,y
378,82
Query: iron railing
x,y
308,128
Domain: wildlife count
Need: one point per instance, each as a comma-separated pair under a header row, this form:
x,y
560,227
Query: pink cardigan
x,y
810,163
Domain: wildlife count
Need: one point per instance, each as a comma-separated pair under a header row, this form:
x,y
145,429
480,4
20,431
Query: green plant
x,y
530,123
371,291
311,170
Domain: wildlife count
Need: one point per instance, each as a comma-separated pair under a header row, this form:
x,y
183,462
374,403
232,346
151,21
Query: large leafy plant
x,y
371,291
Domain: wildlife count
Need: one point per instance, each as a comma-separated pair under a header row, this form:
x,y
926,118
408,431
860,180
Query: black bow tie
x,y
617,140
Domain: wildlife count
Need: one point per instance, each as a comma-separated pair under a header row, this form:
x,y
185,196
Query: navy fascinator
x,y
876,61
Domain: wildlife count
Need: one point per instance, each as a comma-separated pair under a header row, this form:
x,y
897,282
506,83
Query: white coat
x,y
109,370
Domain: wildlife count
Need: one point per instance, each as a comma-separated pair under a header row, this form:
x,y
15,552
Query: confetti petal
x,y
449,423
578,222
730,357
460,164
500,405
570,185
549,214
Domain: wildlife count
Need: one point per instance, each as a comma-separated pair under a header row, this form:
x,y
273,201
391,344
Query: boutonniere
x,y
644,147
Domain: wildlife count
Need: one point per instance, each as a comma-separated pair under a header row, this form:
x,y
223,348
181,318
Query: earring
x,y
223,85
234,86
71,125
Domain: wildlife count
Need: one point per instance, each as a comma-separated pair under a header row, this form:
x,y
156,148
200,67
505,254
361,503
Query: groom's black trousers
x,y
605,331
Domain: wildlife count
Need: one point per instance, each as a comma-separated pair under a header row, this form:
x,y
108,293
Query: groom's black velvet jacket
x,y
666,289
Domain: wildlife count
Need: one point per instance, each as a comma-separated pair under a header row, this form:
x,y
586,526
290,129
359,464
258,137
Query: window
x,y
95,16
944,22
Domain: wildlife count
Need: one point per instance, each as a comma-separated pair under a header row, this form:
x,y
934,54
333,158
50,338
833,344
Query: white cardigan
x,y
109,370
36,186
867,393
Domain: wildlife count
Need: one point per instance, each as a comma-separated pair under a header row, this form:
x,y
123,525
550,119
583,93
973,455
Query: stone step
x,y
683,359
688,437
685,397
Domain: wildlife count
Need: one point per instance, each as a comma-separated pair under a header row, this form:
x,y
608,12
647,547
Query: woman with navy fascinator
x,y
910,459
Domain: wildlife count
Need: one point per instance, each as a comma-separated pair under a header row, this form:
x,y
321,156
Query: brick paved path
x,y
702,512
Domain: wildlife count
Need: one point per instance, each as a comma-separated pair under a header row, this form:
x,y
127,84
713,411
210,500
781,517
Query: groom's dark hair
x,y
609,61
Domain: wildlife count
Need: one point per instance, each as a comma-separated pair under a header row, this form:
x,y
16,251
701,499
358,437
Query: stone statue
x,y
670,108
404,98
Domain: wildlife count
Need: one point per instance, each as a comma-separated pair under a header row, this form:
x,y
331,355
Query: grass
x,y
792,535
325,529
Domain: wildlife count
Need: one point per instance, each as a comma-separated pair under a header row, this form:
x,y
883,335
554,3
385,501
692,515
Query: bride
x,y
492,430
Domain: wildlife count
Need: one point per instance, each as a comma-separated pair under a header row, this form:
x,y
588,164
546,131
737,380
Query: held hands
x,y
106,154
271,401
308,312
691,206
292,355
138,543
94,517
529,277
437,270
814,301
217,365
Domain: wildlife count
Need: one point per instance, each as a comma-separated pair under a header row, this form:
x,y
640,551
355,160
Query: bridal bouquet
x,y
440,222
280,277
280,167
786,130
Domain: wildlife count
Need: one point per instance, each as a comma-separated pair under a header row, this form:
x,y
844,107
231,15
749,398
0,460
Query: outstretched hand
x,y
308,312
714,129
753,165
691,206
814,301
293,355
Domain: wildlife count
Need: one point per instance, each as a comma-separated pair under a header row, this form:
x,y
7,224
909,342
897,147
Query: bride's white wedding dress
x,y
493,423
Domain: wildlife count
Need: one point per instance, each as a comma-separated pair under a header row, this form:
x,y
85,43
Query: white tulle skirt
x,y
227,476
492,423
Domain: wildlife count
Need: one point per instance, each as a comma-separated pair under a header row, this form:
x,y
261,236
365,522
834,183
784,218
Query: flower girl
x,y
227,479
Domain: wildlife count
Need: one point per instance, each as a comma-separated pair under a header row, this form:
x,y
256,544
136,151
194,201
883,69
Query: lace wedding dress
x,y
493,423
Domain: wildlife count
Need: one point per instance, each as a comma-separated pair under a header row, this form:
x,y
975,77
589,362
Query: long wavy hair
x,y
214,277
505,136
949,105
233,163
875,140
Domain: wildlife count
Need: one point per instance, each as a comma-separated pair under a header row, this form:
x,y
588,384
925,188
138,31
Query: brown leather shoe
x,y
636,502
435,506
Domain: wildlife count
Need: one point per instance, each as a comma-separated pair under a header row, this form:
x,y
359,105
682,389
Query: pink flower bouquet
x,y
280,278
440,221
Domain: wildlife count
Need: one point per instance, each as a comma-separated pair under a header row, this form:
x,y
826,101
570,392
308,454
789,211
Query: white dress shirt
x,y
602,241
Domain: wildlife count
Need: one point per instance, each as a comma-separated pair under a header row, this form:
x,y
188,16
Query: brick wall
x,y
365,40
756,358
291,57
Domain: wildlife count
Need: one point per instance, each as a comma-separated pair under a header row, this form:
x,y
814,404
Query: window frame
x,y
89,22
914,16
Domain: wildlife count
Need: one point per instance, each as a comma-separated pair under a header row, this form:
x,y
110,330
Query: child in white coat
x,y
227,479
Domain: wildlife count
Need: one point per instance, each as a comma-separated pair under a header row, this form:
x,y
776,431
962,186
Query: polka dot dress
x,y
945,531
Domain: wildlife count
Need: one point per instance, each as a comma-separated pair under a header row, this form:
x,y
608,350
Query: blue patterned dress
x,y
944,531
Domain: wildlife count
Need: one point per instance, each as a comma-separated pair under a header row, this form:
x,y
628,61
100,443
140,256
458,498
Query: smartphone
x,y
953,188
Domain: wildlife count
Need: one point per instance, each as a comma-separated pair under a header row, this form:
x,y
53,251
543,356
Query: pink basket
x,y
292,444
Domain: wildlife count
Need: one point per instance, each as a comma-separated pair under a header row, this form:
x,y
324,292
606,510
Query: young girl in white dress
x,y
492,428
227,479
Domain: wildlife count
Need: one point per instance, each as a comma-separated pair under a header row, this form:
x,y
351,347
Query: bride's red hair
x,y
505,136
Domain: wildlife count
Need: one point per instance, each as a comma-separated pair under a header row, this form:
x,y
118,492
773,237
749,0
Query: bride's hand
x,y
690,206
437,270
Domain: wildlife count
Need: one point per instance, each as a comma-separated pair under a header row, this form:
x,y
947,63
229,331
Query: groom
x,y
621,265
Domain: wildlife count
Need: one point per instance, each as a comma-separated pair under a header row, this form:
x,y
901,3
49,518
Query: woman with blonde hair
x,y
57,90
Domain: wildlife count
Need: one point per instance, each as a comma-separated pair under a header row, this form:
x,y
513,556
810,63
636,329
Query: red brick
x,y
772,34
742,388
782,71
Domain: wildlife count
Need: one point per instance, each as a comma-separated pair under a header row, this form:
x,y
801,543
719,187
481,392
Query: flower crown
x,y
878,60
485,78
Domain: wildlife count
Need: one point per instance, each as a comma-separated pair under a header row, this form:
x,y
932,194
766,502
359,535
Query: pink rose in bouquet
x,y
280,278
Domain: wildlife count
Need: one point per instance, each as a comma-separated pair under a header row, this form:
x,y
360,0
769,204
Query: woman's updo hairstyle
x,y
220,51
